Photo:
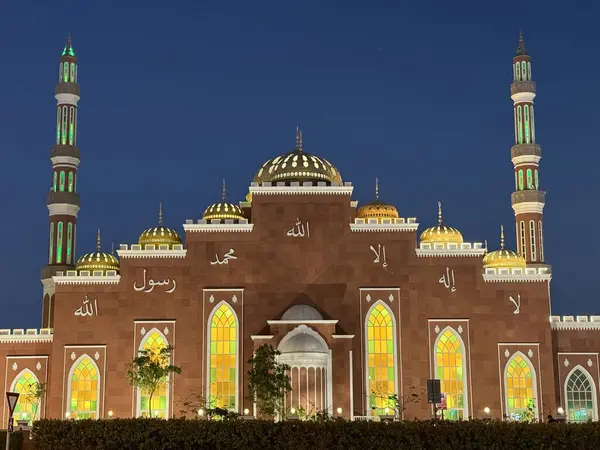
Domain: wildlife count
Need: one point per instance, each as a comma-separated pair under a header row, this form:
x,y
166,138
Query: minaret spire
x,y
528,200
298,139
377,188
63,200
501,237
439,212
224,192
160,214
98,246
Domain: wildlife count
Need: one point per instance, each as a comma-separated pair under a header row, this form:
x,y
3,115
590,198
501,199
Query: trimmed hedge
x,y
16,440
179,434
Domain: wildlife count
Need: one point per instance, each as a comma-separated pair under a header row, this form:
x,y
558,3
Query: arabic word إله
x,y
298,230
149,285
87,308
448,280
379,255
229,255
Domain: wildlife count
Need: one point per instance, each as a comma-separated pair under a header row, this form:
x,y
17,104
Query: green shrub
x,y
16,440
180,434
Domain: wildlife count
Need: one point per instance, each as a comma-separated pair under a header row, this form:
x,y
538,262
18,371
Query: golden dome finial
x,y
501,237
298,139
98,240
439,212
160,220
224,192
112,248
441,234
377,188
503,258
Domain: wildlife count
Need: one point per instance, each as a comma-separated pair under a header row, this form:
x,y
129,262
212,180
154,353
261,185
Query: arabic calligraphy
x,y
88,308
229,255
517,303
379,255
448,280
149,285
298,230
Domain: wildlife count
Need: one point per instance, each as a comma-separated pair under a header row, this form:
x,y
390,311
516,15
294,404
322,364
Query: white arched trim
x,y
533,377
14,384
594,391
463,349
302,329
138,408
70,378
237,351
366,355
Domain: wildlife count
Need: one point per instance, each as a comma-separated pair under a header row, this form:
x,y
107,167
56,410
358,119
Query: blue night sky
x,y
174,98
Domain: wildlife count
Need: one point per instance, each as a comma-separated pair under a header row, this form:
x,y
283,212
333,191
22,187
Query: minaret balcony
x,y
71,151
70,198
522,86
67,88
531,196
525,150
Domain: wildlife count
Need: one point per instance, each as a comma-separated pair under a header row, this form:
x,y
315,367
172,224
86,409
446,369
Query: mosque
x,y
360,302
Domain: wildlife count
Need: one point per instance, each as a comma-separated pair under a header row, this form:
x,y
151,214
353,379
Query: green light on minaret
x,y
68,51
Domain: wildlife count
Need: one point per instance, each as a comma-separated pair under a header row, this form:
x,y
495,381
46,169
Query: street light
x,y
560,410
67,415
246,411
486,410
110,414
12,398
339,410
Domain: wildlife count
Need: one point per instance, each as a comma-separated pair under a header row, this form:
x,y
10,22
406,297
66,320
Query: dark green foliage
x,y
16,440
268,381
180,434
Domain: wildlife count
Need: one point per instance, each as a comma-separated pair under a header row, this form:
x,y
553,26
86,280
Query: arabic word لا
x,y
379,255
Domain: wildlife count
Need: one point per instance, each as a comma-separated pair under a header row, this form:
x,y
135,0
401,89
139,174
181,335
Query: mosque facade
x,y
360,303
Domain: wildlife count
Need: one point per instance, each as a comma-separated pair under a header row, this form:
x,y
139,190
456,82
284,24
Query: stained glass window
x,y
223,358
519,385
380,354
580,397
450,370
154,342
27,404
59,242
83,392
69,238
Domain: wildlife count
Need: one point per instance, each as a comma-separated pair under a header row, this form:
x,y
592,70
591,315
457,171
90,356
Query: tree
x,y
37,390
151,368
397,403
268,381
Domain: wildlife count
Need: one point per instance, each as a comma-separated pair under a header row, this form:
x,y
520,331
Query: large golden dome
x,y
299,166
223,210
441,234
377,209
97,260
503,258
159,235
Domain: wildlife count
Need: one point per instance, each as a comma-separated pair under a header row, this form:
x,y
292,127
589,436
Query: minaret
x,y
63,200
528,200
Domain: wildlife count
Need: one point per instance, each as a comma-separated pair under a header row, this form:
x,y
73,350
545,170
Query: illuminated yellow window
x,y
520,387
27,405
223,358
154,342
380,355
83,389
450,370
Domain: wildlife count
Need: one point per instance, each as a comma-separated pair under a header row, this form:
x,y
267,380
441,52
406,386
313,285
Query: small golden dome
x,y
299,166
377,209
159,235
97,260
503,258
249,197
441,234
223,210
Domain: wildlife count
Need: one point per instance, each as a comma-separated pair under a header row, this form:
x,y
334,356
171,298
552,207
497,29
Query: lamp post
x,y
12,398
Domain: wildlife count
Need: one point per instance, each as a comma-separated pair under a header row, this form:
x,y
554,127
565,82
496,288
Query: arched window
x,y
72,72
520,387
154,341
59,242
517,72
60,72
529,179
541,241
532,238
69,240
381,358
516,182
523,248
61,181
54,181
450,369
71,122
223,357
27,407
75,128
524,70
58,125
84,389
64,126
66,73
526,117
51,249
532,124
520,124
581,396
70,183
520,179
537,179
529,71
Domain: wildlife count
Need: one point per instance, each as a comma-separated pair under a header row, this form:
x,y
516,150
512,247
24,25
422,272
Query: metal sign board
x,y
12,398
